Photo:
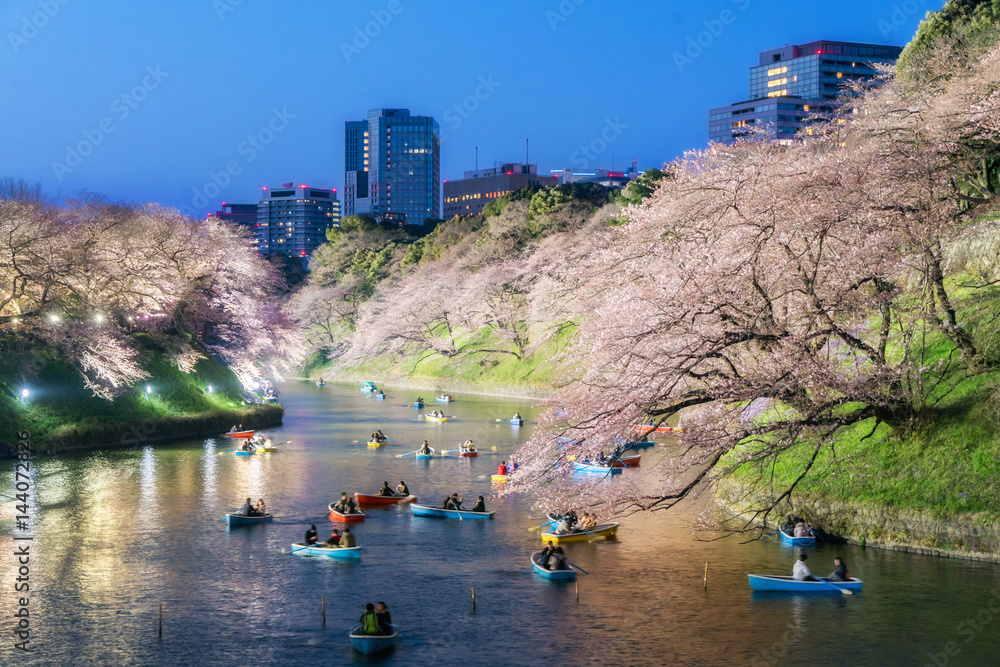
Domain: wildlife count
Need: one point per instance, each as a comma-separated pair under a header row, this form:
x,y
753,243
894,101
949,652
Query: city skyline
x,y
210,96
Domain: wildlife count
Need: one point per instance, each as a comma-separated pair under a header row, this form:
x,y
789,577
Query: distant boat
x,y
322,549
237,519
320,383
765,582
798,541
588,467
370,644
468,454
639,444
550,574
243,435
379,397
378,443
424,510
425,456
605,530
517,422
419,403
444,398
499,479
431,418
368,386
628,461
245,452
657,429
375,499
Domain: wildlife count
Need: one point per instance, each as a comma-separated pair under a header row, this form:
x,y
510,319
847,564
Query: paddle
x,y
228,450
843,591
415,451
578,567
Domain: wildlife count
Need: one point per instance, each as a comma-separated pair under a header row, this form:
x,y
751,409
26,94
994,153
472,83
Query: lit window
x,y
777,70
777,82
805,107
777,93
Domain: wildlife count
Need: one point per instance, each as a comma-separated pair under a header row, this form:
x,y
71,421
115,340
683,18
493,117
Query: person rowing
x,y
345,505
386,491
467,446
557,560
402,489
547,551
311,536
800,571
248,509
802,529
369,621
480,505
502,469
425,449
516,417
453,502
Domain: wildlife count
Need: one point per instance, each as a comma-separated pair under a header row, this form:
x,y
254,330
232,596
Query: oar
x,y
399,456
578,567
445,451
843,591
549,523
228,450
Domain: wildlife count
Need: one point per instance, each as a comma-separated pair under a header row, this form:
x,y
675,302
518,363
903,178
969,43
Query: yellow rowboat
x,y
267,450
377,443
499,479
436,419
605,530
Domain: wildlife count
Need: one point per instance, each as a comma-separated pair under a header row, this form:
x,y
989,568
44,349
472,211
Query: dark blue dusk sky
x,y
207,75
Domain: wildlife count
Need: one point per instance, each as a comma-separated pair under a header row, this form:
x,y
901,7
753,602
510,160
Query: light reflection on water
x,y
123,530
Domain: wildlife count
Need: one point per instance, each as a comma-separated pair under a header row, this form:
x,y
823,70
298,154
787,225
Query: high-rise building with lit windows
x,y
795,85
393,167
292,220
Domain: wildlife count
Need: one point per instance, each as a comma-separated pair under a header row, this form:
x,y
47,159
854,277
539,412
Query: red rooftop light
x,y
302,186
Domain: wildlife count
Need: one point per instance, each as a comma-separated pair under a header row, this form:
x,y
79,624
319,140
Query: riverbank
x,y
431,386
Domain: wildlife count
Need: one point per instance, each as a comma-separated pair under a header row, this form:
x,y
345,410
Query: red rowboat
x,y
658,429
628,461
365,499
337,516
241,434
470,454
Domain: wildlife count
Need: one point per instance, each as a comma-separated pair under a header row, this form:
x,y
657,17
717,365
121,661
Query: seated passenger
x,y
385,490
502,468
402,489
347,539
369,621
558,560
480,505
334,539
840,572
261,507
802,530
424,449
342,504
247,509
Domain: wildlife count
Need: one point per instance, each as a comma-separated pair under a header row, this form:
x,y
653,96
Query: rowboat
x,y
499,479
605,530
658,429
639,444
236,519
321,549
267,450
436,419
588,467
368,386
418,404
425,456
370,499
469,454
766,582
424,510
377,443
444,398
320,384
628,461
369,644
243,452
550,574
240,434
516,422
798,541
345,518
379,397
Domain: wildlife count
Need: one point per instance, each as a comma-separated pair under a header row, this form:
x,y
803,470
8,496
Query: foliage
x,y
960,29
642,187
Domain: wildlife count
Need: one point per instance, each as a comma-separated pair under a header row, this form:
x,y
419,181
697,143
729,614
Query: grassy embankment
x,y
61,414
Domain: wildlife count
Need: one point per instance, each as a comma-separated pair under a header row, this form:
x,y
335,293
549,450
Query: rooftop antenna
x,y
526,161
477,158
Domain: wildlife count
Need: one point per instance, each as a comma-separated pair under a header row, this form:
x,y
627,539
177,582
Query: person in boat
x,y
502,468
516,417
402,490
311,536
419,399
557,561
547,551
617,452
369,621
334,539
425,449
386,490
384,618
800,571
840,572
802,529
565,526
248,510
514,465
480,505
469,447
343,504
261,507
380,436
347,539
789,525
453,502
233,429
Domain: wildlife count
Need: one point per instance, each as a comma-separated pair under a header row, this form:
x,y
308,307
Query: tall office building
x,y
393,167
478,188
796,82
292,221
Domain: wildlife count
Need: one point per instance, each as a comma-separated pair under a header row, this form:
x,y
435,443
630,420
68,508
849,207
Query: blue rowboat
x,y
369,644
516,422
550,574
379,397
424,456
798,541
319,549
641,444
240,452
588,467
424,510
236,519
418,404
765,582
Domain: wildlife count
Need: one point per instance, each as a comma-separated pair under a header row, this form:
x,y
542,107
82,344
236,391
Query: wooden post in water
x,y
323,600
473,599
577,591
706,575
161,619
